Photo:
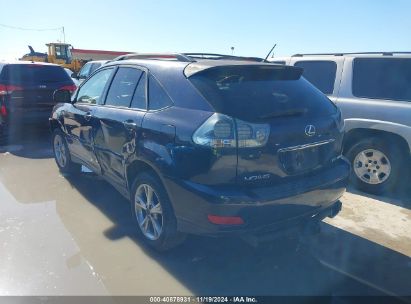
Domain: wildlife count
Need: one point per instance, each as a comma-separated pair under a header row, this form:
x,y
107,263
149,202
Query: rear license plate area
x,y
303,159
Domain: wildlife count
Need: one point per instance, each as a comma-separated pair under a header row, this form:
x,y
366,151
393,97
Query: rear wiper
x,y
293,112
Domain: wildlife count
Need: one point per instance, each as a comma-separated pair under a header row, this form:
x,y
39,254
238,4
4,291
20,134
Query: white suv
x,y
88,69
373,91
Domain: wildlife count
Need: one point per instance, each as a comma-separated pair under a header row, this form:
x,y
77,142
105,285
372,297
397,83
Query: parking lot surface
x,y
62,235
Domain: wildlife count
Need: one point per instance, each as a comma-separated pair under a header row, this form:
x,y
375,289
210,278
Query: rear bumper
x,y
264,210
17,122
30,116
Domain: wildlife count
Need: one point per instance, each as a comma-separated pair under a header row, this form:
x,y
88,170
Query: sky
x,y
251,27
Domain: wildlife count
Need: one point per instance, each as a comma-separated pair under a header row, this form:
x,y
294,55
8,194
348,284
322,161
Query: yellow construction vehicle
x,y
68,57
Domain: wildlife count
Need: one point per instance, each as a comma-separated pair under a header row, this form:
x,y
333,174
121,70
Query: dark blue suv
x,y
206,146
26,95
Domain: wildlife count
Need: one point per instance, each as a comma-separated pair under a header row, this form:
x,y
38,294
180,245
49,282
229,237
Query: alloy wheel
x,y
372,166
148,211
60,151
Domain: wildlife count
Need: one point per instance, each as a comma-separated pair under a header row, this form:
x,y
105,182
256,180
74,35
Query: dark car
x,y
26,94
212,147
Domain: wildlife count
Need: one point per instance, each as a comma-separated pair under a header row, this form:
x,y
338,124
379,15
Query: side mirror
x,y
62,96
74,75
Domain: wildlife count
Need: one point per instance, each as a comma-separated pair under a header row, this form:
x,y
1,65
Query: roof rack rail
x,y
354,53
155,56
185,57
222,57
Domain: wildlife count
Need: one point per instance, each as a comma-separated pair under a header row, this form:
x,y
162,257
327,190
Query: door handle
x,y
88,116
130,125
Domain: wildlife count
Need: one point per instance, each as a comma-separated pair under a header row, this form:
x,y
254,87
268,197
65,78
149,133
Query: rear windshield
x,y
32,73
253,93
382,78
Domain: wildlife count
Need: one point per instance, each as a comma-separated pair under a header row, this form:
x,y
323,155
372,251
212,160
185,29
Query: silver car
x,y
88,69
373,91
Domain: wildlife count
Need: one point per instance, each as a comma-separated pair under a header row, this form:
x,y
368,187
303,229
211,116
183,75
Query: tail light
x,y
251,135
222,131
70,88
8,89
218,132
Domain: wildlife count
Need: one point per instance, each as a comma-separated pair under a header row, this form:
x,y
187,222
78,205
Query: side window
x,y
157,97
382,78
91,91
123,86
140,98
320,73
59,52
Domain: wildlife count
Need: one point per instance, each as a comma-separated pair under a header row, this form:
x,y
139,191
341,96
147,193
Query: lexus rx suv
x,y
26,94
202,146
87,70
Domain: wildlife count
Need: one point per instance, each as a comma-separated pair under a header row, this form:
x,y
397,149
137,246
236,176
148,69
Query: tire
x,y
376,165
165,238
59,148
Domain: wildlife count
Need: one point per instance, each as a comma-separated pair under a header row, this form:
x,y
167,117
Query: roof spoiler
x,y
263,68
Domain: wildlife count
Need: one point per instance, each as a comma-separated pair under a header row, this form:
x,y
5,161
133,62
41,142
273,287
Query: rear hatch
x,y
284,127
30,88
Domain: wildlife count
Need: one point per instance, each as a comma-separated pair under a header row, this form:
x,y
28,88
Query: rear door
x,y
31,98
80,122
119,122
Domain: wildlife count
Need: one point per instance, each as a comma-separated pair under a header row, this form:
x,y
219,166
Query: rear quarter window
x,y
34,73
157,96
320,73
382,78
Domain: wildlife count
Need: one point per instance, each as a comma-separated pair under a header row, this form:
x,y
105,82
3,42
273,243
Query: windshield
x,y
252,93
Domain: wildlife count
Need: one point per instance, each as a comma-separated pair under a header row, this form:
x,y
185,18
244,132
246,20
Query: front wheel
x,y
62,154
376,165
153,213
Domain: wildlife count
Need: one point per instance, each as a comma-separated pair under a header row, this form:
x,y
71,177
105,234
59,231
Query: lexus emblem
x,y
310,130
